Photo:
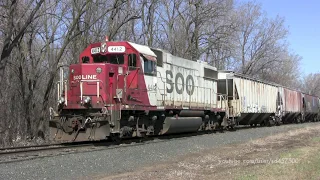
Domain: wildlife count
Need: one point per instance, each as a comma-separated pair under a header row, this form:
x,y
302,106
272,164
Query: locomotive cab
x,y
105,72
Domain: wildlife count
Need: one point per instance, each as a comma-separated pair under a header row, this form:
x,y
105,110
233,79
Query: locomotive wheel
x,y
115,137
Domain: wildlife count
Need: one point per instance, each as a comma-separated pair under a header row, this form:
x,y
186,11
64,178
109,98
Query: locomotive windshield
x,y
110,58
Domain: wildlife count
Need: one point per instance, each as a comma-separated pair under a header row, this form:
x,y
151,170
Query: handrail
x,y
90,80
59,90
66,92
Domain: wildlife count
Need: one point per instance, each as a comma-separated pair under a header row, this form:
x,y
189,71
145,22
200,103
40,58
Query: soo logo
x,y
180,84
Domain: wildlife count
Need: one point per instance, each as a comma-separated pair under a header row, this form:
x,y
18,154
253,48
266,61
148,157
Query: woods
x,y
37,35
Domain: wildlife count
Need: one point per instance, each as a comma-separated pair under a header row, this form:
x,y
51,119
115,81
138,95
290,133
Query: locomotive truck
x,y
122,89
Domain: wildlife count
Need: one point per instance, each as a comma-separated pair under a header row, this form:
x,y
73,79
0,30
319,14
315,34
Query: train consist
x,y
122,89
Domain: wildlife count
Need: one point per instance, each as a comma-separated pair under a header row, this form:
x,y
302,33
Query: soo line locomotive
x,y
122,89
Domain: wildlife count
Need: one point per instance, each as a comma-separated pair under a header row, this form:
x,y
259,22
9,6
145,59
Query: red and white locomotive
x,y
123,89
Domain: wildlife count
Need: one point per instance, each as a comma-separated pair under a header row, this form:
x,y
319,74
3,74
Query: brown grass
x,y
291,155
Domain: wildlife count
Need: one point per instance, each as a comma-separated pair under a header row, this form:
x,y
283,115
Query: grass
x,y
303,163
316,139
294,153
248,177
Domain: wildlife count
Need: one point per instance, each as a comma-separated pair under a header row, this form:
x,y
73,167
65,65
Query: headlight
x,y
61,100
99,70
87,100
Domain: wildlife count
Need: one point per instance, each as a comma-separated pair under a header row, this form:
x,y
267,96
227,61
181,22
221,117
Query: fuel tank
x,y
188,113
174,125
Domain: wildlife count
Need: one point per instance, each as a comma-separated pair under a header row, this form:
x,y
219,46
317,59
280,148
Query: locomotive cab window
x,y
116,59
99,59
112,59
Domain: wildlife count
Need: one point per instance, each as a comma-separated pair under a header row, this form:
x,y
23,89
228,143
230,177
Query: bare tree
x,y
192,29
311,84
16,27
260,39
286,72
148,19
120,16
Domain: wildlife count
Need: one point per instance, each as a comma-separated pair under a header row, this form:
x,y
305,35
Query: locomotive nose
x,y
88,84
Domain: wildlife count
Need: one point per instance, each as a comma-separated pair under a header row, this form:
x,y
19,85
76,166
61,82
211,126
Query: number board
x,y
116,49
95,50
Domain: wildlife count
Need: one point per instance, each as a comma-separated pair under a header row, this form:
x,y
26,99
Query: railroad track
x,y
21,153
13,154
26,149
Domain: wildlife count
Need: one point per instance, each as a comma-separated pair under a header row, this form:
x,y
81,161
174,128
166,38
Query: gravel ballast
x,y
87,165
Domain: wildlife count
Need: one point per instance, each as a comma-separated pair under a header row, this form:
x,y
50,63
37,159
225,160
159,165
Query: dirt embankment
x,y
290,155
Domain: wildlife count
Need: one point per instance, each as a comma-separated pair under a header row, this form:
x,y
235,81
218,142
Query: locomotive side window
x,y
132,61
149,67
85,59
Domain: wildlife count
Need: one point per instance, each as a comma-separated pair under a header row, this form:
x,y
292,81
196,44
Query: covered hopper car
x,y
252,101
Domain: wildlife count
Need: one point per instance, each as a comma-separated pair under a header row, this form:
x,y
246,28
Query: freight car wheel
x,y
231,128
271,122
298,120
278,121
253,125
